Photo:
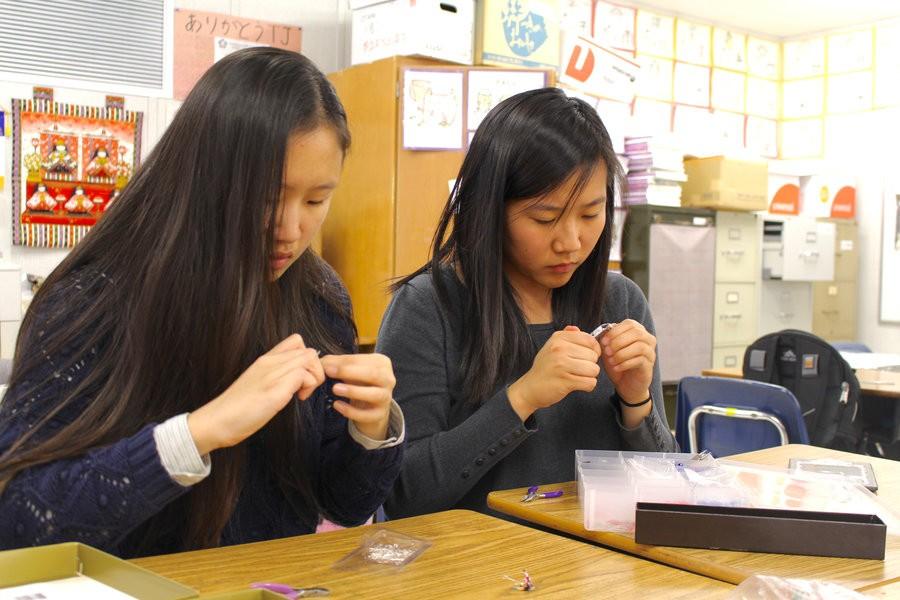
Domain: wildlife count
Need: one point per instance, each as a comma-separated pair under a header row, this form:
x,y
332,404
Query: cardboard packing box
x,y
726,184
442,30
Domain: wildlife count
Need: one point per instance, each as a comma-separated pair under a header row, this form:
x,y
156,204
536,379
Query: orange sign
x,y
202,38
786,200
844,204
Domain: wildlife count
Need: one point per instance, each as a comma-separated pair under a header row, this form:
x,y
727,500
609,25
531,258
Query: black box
x,y
760,530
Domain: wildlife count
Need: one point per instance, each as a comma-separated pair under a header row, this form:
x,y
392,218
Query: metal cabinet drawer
x,y
835,310
735,317
738,239
728,357
785,305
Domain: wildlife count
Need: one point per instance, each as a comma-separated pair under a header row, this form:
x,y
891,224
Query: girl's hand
x,y
629,353
257,395
367,381
566,363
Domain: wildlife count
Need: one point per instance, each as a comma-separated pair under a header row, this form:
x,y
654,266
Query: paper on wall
x,y
616,117
850,51
656,77
576,16
729,49
801,138
614,25
761,136
803,98
694,130
432,109
692,42
763,58
804,58
223,46
729,131
597,70
655,34
728,90
488,88
850,92
691,84
887,87
651,117
762,97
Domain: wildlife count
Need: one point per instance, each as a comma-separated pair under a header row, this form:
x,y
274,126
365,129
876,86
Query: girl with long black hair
x,y
191,321
498,375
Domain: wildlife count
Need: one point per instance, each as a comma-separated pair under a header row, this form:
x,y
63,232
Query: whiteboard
x,y
890,255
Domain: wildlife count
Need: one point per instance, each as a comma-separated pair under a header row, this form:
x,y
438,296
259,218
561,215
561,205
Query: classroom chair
x,y
728,416
850,347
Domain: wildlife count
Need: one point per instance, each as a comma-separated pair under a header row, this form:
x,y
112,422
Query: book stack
x,y
655,171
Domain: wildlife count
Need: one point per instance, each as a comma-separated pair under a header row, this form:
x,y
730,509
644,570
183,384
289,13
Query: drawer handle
x,y
810,255
785,315
733,253
731,316
832,311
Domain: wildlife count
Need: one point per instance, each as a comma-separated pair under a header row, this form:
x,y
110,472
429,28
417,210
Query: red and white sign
x,y
844,204
786,200
597,70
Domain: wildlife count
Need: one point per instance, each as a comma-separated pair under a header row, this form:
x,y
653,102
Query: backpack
x,y
818,376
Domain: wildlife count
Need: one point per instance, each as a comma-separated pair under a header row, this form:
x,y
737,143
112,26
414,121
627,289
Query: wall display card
x,y
694,130
802,139
693,42
655,34
851,51
850,92
616,117
761,136
729,49
728,90
614,25
803,98
576,16
762,97
887,46
651,117
763,58
691,84
656,77
804,58
432,109
487,88
729,129
597,69
887,87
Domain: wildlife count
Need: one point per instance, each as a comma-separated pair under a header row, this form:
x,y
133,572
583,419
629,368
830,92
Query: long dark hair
x,y
526,147
180,301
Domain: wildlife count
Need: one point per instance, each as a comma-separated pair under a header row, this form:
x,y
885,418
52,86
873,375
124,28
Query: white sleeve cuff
x,y
178,453
396,431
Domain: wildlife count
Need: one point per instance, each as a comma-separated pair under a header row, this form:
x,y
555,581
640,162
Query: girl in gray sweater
x,y
497,374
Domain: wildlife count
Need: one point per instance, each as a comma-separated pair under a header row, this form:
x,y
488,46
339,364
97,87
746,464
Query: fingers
x,y
360,369
625,334
576,337
292,342
362,393
360,414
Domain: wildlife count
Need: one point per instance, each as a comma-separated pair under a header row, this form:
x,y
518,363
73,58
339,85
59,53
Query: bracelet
x,y
635,405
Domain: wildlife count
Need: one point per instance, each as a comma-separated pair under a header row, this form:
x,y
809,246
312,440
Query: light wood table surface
x,y
564,514
469,556
872,382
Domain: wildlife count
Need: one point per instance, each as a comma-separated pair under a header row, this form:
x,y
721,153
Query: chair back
x,y
850,347
729,416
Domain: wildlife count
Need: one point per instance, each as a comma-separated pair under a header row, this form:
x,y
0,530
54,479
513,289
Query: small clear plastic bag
x,y
763,587
384,547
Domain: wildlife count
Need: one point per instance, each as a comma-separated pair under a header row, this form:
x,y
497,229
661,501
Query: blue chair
x,y
850,347
728,416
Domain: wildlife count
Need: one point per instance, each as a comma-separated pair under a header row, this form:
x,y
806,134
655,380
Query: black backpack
x,y
818,376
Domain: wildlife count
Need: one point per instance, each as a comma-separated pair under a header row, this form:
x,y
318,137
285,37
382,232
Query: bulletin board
x,y
202,38
890,255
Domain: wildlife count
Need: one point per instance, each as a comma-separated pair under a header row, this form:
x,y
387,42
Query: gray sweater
x,y
457,451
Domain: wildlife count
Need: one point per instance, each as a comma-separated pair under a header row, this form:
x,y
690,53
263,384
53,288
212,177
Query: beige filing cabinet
x,y
736,312
835,302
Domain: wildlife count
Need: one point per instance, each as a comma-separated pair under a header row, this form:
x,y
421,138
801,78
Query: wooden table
x,y
872,382
470,555
564,514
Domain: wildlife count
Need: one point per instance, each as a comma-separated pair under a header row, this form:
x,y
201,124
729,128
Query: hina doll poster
x,y
69,164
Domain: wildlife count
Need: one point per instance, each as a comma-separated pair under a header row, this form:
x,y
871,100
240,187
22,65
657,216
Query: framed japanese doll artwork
x,y
69,164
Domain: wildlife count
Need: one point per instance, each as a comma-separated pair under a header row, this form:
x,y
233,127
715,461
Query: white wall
x,y
325,40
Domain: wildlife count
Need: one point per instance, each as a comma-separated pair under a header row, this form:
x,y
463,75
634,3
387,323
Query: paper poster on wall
x,y
850,51
803,98
614,25
801,138
887,46
729,130
728,90
652,117
761,136
691,84
616,117
763,58
597,70
432,109
656,77
887,87
576,16
851,92
804,58
762,97
487,88
729,49
890,254
694,128
655,34
693,42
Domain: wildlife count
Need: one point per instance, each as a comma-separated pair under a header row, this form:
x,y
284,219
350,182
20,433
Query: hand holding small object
x,y
364,390
629,354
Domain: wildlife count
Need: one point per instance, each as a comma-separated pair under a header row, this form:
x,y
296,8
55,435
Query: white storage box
x,y
442,30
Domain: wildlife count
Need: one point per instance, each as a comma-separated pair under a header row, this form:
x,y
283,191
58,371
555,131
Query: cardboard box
x,y
725,183
443,30
524,33
760,530
61,561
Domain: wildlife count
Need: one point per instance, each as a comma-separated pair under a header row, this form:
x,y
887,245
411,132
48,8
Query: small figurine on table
x,y
41,200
